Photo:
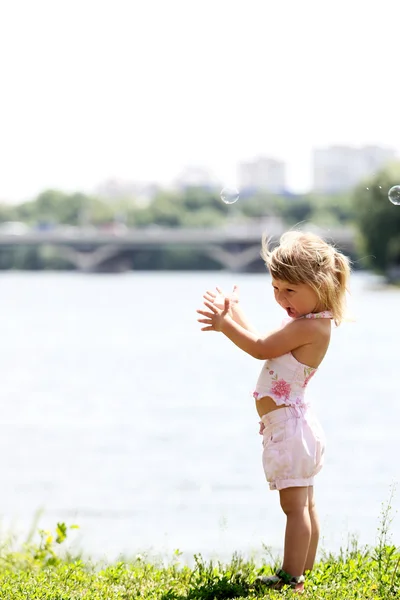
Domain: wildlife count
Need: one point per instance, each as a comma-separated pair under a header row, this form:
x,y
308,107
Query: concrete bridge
x,y
235,247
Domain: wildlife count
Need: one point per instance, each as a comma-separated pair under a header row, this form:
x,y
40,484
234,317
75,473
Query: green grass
x,y
34,574
42,570
38,571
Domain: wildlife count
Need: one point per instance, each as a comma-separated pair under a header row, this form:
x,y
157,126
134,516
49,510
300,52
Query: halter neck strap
x,y
325,314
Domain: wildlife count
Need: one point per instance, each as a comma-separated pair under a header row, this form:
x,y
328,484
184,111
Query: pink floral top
x,y
284,378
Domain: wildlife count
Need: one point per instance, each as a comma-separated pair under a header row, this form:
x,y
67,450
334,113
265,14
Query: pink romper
x,y
293,439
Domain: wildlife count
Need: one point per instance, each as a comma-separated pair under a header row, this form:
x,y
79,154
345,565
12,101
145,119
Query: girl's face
x,y
298,299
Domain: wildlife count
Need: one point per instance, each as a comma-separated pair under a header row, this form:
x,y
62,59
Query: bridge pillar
x,y
89,261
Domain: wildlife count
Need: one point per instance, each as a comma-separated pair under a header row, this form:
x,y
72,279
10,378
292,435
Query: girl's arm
x,y
239,317
292,336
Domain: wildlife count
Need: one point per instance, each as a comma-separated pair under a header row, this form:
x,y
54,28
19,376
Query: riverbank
x,y
39,571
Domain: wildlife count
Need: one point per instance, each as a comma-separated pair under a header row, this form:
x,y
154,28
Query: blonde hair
x,y
306,258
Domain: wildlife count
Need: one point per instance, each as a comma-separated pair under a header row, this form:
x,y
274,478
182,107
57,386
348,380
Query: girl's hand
x,y
215,317
218,300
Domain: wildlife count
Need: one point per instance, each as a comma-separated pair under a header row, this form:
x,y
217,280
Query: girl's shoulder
x,y
317,323
307,331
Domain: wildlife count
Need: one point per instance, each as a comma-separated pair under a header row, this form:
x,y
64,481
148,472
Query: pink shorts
x,y
293,447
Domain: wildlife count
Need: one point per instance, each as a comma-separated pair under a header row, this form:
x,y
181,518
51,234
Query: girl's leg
x,y
312,550
294,503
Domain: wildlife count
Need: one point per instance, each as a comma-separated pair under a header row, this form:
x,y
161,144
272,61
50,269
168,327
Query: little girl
x,y
309,279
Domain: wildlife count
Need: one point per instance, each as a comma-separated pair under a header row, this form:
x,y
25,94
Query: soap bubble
x,y
229,195
394,194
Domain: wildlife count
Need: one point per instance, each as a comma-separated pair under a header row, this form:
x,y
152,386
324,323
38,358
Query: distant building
x,y
340,168
262,174
196,176
117,189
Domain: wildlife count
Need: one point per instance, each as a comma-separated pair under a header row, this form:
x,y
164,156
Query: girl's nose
x,y
281,296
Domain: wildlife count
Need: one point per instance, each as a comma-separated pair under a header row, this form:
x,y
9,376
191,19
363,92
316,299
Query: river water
x,y
119,415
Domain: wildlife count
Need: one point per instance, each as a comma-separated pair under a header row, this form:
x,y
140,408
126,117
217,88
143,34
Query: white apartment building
x,y
196,176
340,168
266,174
117,189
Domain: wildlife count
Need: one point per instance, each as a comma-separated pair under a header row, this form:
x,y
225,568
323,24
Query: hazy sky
x,y
95,89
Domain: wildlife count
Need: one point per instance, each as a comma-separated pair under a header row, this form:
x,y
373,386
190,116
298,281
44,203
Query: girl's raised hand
x,y
214,317
219,299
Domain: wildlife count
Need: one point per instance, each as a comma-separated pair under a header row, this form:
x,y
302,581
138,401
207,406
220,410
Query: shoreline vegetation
x,y
39,570
365,209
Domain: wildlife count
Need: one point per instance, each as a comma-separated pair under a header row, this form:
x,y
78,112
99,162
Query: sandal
x,y
280,580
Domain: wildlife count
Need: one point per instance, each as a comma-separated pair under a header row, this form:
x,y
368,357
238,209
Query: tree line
x,y
366,209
